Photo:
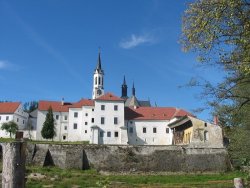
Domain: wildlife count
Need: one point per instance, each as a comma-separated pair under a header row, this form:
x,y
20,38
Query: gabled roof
x,y
109,97
58,107
154,113
8,107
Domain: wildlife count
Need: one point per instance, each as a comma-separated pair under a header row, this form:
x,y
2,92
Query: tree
x,y
30,106
219,32
48,130
10,127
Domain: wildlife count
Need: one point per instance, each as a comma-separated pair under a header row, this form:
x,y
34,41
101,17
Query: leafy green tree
x,y
10,127
219,32
48,130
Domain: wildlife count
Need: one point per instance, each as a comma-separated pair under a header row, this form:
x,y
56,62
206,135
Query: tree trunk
x,y
13,175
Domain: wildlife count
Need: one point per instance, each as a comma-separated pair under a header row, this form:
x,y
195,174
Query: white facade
x,y
18,116
149,132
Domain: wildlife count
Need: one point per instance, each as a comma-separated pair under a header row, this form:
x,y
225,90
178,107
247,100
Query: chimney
x,y
216,120
62,102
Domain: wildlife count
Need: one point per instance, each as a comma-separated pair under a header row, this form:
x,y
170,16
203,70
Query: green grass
x,y
90,178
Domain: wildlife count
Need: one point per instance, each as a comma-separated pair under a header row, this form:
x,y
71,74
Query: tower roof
x,y
124,81
99,64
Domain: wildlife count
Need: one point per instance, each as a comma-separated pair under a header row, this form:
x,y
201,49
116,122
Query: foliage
x,y
219,31
30,106
48,130
10,127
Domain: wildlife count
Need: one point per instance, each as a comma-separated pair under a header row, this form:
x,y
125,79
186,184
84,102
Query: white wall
x,y
109,113
149,138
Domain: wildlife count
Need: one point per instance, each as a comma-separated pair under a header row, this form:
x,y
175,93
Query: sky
x,y
49,50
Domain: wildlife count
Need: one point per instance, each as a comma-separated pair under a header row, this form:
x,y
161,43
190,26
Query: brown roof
x,y
58,107
154,113
109,97
8,107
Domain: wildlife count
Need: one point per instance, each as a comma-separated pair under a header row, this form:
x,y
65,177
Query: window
x,y
108,134
167,130
7,117
99,80
86,131
102,107
131,130
102,120
206,136
93,109
17,119
95,80
66,118
86,123
144,130
64,137
75,125
57,117
116,134
86,114
154,130
131,122
23,121
115,107
75,114
0,118
65,127
115,120
93,120
205,124
101,134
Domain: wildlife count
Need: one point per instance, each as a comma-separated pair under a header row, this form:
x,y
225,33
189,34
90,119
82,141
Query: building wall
x,y
138,137
109,127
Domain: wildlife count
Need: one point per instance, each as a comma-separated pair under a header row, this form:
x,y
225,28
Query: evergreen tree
x,y
48,130
10,127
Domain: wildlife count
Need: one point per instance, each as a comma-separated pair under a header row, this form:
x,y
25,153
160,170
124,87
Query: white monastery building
x,y
109,119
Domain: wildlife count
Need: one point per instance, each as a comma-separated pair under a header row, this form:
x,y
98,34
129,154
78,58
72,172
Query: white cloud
x,y
3,64
134,41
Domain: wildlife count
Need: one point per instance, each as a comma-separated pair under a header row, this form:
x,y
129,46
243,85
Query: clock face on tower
x,y
99,92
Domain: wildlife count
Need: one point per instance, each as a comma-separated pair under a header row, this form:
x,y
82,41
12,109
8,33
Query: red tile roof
x,y
154,113
8,107
109,97
58,107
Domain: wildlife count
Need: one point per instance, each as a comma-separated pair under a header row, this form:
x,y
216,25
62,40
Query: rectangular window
x,y
75,114
0,118
131,130
65,118
86,114
108,134
65,127
64,137
93,109
93,120
75,125
86,123
23,121
86,131
7,117
116,134
115,120
102,107
167,130
102,120
144,130
57,117
101,134
115,107
154,130
17,119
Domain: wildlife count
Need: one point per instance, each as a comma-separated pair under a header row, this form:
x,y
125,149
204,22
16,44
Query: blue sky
x,y
49,49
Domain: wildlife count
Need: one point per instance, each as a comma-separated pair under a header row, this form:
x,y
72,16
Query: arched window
x,y
99,81
95,80
206,136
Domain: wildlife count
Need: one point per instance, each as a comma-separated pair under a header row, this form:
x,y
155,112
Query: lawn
x,y
55,177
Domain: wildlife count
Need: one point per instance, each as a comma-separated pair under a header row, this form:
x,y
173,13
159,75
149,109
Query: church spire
x,y
133,89
124,88
99,64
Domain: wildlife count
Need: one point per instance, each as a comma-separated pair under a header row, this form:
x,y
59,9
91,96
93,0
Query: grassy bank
x,y
54,177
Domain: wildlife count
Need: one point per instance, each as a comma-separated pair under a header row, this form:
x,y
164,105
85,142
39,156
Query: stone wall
x,y
113,158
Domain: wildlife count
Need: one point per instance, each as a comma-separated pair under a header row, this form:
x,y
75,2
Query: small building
x,y
194,132
12,111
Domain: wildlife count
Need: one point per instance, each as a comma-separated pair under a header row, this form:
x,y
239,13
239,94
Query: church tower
x,y
98,89
124,89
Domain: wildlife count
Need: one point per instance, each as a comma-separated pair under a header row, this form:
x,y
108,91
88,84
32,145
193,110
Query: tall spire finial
x,y
99,64
133,89
124,80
